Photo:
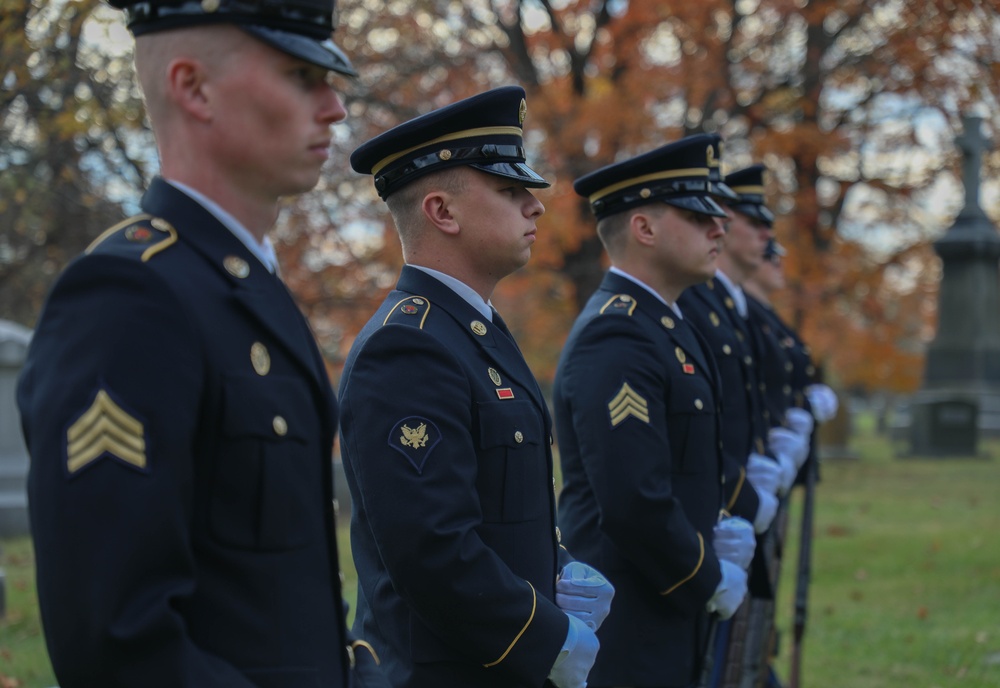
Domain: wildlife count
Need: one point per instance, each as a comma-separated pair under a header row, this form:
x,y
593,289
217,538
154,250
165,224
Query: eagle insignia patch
x,y
415,438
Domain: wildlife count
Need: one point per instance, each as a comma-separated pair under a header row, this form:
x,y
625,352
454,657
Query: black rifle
x,y
805,570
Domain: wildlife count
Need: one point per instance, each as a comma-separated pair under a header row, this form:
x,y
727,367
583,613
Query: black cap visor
x,y
719,189
755,211
518,171
322,53
697,204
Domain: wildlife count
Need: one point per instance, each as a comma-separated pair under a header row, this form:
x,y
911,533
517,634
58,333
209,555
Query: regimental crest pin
x,y
236,266
478,328
415,438
495,376
681,356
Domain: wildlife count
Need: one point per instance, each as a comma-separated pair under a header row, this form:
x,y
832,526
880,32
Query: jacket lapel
x,y
262,295
497,345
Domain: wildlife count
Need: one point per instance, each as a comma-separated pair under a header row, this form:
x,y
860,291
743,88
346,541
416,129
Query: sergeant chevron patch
x,y
105,429
627,402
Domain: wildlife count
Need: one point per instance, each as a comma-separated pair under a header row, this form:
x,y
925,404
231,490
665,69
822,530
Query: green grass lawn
x,y
905,589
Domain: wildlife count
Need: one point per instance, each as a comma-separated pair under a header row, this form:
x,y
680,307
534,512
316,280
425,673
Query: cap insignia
x,y
645,193
522,111
710,159
444,154
210,6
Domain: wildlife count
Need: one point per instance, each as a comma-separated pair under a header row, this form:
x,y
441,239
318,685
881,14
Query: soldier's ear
x,y
436,206
640,226
187,86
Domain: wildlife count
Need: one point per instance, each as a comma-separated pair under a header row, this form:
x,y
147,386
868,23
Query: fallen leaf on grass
x,y
837,531
9,682
922,613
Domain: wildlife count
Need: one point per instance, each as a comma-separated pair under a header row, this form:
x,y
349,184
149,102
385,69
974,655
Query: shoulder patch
x,y
411,311
105,429
619,303
142,235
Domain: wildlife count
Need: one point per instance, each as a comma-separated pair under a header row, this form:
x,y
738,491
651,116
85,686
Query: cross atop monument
x,y
972,143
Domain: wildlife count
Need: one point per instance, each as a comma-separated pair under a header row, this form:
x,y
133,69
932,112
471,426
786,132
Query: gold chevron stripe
x,y
627,403
105,428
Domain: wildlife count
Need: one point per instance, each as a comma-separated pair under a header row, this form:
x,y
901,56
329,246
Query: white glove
x,y
823,401
766,512
583,592
576,657
763,473
733,540
789,443
800,420
731,590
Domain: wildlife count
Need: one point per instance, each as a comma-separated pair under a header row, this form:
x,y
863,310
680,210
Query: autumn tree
x,y
852,105
70,143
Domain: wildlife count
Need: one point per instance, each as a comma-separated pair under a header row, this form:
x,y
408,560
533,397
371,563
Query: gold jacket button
x,y
518,437
280,426
698,404
726,349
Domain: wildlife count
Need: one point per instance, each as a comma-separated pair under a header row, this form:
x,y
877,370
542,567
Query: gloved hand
x,y
801,421
823,402
766,512
790,443
733,541
583,592
576,657
730,592
763,473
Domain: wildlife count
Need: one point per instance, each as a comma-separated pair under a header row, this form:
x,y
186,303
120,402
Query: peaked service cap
x,y
748,184
300,28
678,174
483,132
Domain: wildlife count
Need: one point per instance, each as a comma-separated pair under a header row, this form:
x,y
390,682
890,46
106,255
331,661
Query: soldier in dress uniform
x,y
718,310
177,411
637,402
445,433
805,398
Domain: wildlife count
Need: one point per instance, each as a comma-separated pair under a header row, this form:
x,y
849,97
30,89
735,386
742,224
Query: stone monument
x,y
959,400
13,455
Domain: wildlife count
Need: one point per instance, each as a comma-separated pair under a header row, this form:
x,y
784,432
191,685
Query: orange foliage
x,y
800,86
